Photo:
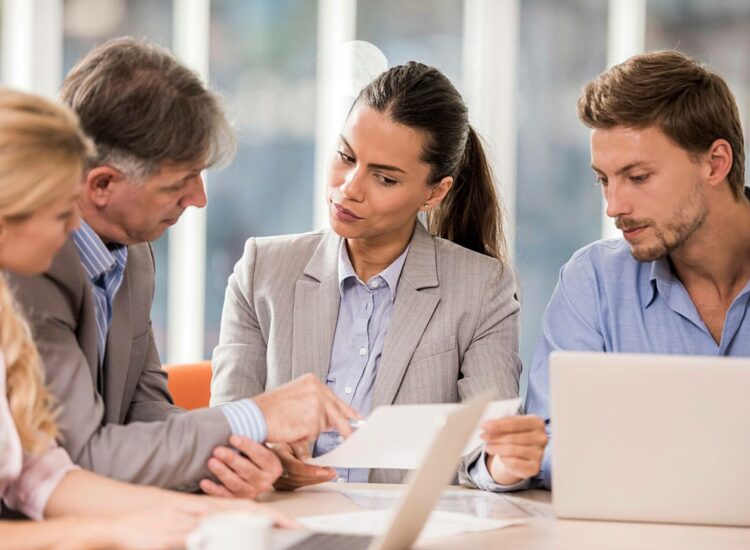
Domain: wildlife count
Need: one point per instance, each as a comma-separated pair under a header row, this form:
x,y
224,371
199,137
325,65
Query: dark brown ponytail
x,y
423,98
470,214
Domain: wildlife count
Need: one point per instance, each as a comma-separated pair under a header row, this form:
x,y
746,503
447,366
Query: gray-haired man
x,y
156,127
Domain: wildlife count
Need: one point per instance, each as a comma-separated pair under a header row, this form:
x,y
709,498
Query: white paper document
x,y
482,504
399,436
376,522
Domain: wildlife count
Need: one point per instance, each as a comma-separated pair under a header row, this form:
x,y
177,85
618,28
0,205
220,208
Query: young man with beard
x,y
667,149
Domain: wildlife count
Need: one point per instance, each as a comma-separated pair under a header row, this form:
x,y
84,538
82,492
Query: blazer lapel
x,y
412,311
67,270
117,356
316,309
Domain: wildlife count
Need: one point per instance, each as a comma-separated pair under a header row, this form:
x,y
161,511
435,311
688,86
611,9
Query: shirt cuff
x,y
246,419
41,475
543,479
481,477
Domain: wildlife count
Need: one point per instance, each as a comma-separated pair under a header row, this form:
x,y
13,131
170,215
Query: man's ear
x,y
99,184
720,159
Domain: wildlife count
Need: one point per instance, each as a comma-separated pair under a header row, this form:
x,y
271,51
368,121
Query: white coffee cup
x,y
232,531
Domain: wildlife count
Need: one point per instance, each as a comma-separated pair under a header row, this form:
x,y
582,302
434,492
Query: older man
x,y
156,128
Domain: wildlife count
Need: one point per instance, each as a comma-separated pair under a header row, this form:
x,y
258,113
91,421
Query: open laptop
x,y
650,437
425,486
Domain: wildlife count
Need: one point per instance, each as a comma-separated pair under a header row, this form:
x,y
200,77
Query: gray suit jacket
x,y
133,431
453,332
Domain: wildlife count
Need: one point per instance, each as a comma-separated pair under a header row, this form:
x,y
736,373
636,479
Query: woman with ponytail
x,y
42,155
382,309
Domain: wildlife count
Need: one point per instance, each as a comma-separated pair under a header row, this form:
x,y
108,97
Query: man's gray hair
x,y
142,107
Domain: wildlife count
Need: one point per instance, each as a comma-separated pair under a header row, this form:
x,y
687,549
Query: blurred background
x,y
519,63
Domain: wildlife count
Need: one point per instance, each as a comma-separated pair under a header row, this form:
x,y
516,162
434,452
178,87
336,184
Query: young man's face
x,y
654,189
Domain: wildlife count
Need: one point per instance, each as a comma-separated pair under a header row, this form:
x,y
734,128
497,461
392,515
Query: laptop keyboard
x,y
329,541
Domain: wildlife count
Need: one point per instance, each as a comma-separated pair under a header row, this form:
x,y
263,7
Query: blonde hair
x,y
42,155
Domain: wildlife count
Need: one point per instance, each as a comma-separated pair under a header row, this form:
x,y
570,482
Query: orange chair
x,y
190,384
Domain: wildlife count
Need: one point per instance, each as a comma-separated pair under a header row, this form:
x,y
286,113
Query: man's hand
x,y
301,409
246,474
514,447
296,472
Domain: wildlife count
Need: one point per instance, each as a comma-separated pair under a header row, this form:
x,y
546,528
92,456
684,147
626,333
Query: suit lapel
x,y
412,311
316,309
117,355
67,271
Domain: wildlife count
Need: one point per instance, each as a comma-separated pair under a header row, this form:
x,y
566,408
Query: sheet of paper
x,y
400,435
375,522
483,504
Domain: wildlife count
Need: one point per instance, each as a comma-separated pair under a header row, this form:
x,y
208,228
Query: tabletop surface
x,y
539,528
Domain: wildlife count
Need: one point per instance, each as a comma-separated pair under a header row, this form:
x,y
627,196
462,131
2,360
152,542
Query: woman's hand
x,y
161,528
217,505
169,526
296,472
515,447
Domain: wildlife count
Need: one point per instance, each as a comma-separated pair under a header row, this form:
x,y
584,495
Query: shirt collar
x,y
390,274
662,278
97,258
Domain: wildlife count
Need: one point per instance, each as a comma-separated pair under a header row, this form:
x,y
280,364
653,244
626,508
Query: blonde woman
x,y
42,154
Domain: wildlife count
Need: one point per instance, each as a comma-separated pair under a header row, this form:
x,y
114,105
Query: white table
x,y
541,530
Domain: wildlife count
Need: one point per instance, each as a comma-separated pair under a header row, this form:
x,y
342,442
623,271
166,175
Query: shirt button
x,y
363,351
341,480
347,390
339,439
375,284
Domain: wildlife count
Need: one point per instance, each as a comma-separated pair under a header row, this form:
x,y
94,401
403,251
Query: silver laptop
x,y
650,437
424,487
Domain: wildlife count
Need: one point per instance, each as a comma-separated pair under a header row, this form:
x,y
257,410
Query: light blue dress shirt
x,y
105,268
364,314
605,300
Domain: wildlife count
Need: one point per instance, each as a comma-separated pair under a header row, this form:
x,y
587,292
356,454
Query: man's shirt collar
x,y
96,257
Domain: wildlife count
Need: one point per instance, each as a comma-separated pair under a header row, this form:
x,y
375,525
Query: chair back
x,y
190,384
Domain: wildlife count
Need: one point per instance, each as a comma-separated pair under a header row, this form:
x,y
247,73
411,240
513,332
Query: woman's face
x,y
28,247
377,182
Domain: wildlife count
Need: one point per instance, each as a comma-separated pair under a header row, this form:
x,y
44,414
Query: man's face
x,y
143,211
654,189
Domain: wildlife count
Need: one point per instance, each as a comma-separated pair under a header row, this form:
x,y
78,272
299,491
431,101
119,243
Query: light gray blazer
x,y
133,431
453,332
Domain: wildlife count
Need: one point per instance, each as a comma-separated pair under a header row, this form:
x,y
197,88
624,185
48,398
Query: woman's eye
x,y
346,158
385,180
640,178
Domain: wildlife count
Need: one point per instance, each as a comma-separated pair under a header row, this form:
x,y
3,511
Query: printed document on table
x,y
376,522
398,436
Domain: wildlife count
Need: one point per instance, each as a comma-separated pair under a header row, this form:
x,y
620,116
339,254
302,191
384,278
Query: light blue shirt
x,y
605,300
105,268
364,315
